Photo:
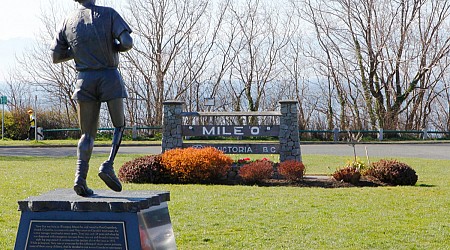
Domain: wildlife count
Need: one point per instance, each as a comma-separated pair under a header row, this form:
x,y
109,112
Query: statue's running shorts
x,y
99,85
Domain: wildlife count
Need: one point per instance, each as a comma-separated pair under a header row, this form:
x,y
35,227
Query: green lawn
x,y
251,217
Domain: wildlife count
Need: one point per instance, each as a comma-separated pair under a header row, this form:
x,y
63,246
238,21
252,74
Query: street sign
x,y
3,100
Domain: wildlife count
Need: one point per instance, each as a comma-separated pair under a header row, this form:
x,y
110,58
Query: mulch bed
x,y
322,182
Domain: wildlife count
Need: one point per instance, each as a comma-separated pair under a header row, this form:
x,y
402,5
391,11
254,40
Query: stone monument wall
x,y
289,141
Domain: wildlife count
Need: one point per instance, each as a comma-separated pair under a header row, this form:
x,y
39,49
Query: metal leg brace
x,y
106,171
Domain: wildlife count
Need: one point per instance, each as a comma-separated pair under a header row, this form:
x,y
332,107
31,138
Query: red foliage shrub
x,y
393,172
192,165
244,160
292,170
347,174
256,171
146,169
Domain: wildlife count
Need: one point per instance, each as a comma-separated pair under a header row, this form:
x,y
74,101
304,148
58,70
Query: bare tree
x,y
257,47
53,82
162,29
353,64
295,84
390,48
19,93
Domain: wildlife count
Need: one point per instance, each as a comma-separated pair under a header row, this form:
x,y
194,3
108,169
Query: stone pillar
x,y
289,135
172,121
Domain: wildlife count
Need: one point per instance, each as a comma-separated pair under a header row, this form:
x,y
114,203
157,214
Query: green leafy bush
x,y
392,172
256,171
146,169
16,125
193,165
292,170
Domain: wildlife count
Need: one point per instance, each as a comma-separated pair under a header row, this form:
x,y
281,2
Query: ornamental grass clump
x,y
257,171
194,165
292,170
393,172
350,173
146,169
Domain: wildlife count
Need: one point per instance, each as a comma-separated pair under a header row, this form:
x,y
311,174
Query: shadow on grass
x,y
426,185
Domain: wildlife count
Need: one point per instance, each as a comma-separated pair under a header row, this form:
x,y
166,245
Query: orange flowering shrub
x,y
292,170
193,165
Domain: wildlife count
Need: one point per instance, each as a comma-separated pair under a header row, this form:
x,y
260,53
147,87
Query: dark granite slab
x,y
101,201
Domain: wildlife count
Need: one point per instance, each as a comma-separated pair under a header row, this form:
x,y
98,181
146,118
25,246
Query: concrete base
x,y
60,219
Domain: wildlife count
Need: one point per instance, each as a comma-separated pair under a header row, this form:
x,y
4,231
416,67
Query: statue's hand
x,y
118,46
124,42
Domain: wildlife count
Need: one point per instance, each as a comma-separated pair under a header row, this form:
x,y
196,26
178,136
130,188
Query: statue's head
x,y
85,1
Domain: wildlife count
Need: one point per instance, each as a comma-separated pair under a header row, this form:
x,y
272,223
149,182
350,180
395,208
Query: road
x,y
429,151
72,151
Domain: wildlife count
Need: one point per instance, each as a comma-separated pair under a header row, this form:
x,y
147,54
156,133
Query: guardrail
x,y
134,130
335,133
424,134
102,129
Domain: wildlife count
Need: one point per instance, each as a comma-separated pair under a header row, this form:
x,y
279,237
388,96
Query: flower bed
x,y
211,166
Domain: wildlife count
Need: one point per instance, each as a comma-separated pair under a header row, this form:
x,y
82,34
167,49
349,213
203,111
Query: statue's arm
x,y
125,42
60,56
60,49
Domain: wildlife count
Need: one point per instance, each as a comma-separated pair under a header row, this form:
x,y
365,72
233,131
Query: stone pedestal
x,y
172,121
60,219
289,135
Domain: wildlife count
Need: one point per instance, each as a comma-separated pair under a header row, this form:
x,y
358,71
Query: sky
x,y
19,18
19,23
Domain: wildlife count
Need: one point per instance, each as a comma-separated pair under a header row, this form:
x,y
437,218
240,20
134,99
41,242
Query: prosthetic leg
x,y
84,152
106,171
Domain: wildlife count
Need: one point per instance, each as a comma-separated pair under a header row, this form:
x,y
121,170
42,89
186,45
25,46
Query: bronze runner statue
x,y
93,36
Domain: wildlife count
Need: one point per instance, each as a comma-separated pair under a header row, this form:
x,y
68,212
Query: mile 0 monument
x,y
93,36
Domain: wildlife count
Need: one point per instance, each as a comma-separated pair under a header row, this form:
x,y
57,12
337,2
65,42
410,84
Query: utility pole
x,y
3,100
35,118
